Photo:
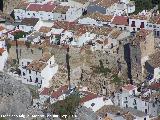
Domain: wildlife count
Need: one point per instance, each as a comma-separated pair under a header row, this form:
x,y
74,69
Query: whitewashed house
x,y
137,22
20,11
128,98
120,22
125,7
92,100
59,94
38,72
97,19
3,58
28,24
154,24
56,35
152,67
2,43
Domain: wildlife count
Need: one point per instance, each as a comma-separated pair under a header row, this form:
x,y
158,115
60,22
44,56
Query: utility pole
x,y
68,66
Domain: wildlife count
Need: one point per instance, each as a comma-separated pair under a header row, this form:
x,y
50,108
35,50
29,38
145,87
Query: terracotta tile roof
x,y
45,91
64,24
81,1
99,16
59,92
48,7
105,3
36,66
44,29
29,21
154,60
61,9
14,32
140,17
81,29
128,87
112,109
120,20
155,19
45,58
86,96
2,50
22,5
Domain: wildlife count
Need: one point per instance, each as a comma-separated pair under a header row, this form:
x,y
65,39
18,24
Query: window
x,y
133,24
28,63
158,33
126,106
126,98
24,74
142,25
134,103
92,104
30,79
29,71
33,14
145,104
153,105
28,14
154,26
135,107
134,29
146,111
36,80
125,28
150,25
104,82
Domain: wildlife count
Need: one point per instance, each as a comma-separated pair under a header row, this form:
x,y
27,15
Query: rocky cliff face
x,y
9,5
15,97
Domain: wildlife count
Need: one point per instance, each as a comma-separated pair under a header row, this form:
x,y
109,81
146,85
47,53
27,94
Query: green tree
x,y
19,35
67,106
116,80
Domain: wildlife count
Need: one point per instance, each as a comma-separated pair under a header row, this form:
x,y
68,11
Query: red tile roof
x,y
48,7
1,51
45,91
155,86
14,32
87,96
120,20
59,92
129,87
